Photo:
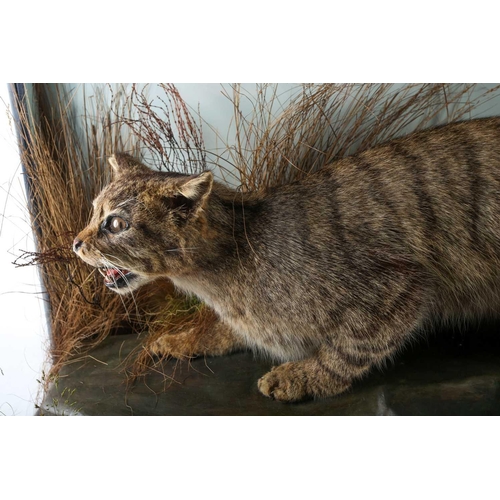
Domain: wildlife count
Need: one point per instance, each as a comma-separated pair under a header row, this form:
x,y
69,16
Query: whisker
x,y
121,298
124,202
113,257
181,249
108,264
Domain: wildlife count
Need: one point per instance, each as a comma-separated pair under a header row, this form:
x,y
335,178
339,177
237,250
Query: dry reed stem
x,y
169,132
322,123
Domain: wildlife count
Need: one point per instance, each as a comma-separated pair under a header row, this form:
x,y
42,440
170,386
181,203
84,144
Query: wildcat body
x,y
330,275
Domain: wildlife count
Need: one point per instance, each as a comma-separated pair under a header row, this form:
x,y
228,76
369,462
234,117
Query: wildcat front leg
x,y
375,330
350,351
215,340
329,372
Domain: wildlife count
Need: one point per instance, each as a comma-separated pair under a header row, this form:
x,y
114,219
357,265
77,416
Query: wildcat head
x,y
145,224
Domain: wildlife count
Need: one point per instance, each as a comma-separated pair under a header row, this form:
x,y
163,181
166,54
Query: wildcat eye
x,y
115,224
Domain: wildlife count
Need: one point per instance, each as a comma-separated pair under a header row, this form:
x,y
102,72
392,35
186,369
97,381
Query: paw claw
x,y
282,384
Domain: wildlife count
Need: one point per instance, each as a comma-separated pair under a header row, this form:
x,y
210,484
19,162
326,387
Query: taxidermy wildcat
x,y
330,275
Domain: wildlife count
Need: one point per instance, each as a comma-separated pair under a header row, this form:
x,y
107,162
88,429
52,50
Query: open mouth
x,y
116,278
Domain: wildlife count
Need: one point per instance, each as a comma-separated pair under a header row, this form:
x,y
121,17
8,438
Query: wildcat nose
x,y
77,244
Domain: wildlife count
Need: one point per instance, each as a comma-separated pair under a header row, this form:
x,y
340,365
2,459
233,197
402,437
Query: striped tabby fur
x,y
330,275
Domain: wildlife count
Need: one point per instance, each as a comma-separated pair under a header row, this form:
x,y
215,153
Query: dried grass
x,y
322,123
65,173
274,144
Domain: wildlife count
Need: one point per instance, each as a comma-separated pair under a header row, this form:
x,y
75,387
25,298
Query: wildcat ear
x,y
189,195
196,188
123,164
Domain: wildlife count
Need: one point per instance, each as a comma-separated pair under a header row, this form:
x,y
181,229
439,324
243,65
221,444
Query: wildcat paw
x,y
193,342
178,346
283,383
296,381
